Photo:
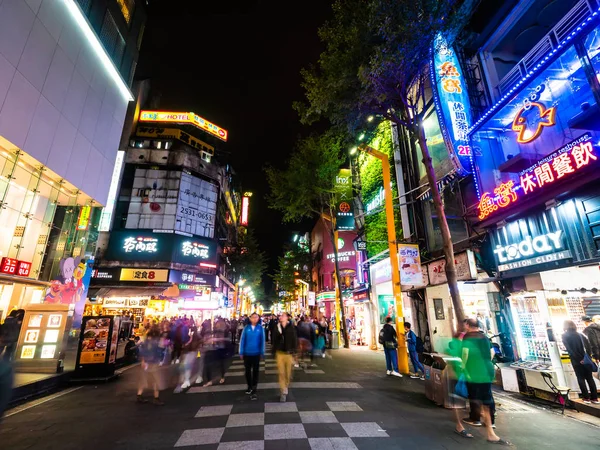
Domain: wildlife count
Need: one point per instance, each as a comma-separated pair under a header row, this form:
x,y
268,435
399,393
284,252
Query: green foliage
x,y
375,50
371,179
249,262
305,187
294,264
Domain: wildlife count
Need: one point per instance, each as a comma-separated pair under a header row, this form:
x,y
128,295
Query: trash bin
x,y
427,361
444,377
335,341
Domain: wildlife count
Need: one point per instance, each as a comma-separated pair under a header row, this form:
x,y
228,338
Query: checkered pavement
x,y
269,367
331,426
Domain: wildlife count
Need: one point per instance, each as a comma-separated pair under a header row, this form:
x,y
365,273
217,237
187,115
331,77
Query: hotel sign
x,y
184,118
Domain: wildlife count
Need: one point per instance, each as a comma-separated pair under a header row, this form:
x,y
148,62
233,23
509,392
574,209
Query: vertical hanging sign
x,y
452,103
344,212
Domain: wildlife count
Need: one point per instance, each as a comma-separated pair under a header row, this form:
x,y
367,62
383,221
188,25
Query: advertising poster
x,y
196,206
94,341
344,200
410,265
35,320
31,336
387,307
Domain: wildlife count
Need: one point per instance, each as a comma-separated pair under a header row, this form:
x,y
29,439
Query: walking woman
x,y
579,351
151,355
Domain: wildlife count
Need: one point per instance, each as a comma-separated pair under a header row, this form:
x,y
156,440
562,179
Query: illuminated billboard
x,y
185,118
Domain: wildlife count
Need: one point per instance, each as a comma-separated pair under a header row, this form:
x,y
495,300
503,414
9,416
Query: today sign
x,y
529,247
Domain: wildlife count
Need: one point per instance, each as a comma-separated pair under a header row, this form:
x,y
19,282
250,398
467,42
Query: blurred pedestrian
x,y
479,373
252,350
579,350
9,333
6,385
592,332
284,347
233,325
389,339
411,342
151,355
189,357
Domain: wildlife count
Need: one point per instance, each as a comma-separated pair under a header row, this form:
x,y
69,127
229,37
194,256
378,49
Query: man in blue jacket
x,y
252,349
411,341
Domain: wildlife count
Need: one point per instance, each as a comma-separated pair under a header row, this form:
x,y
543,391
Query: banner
x,y
410,265
344,211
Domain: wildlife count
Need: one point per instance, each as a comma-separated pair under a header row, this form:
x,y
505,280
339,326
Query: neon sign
x,y
13,266
184,117
245,207
561,163
452,103
140,244
521,123
195,249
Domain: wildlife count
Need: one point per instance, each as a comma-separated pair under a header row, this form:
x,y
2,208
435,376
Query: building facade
x,y
63,103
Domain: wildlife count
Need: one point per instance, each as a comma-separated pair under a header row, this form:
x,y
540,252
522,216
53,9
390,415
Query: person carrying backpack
x,y
412,342
388,338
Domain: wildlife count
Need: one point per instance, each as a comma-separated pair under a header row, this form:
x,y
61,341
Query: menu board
x,y
95,340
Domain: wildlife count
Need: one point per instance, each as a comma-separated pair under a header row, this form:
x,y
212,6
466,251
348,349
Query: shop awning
x,y
145,291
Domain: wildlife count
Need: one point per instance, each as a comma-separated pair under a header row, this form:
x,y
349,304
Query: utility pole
x,y
406,231
391,229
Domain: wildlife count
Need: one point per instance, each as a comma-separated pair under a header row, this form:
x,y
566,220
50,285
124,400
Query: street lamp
x,y
354,150
391,229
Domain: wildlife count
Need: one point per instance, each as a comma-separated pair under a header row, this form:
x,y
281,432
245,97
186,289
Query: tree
x,y
376,63
293,265
305,188
249,262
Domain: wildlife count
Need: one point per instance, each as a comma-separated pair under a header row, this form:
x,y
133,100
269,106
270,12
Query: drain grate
x,y
510,407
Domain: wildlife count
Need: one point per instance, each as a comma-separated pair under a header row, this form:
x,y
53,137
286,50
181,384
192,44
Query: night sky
x,y
237,63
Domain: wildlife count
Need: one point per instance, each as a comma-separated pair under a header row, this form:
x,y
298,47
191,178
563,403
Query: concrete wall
x,y
57,101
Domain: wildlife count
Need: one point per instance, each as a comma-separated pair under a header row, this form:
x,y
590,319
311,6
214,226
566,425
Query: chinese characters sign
x,y
151,275
452,102
140,245
11,266
557,166
195,249
185,118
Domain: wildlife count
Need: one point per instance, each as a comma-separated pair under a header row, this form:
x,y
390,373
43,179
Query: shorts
x,y
481,392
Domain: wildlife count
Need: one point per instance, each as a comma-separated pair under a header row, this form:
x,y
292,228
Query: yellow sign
x,y
174,133
84,218
231,207
92,357
184,117
156,275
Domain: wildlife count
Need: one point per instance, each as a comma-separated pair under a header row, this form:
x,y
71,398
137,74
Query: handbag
x,y
587,361
461,387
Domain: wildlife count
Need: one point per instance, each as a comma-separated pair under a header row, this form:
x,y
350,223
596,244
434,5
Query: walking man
x,y
388,338
411,341
252,350
284,346
592,331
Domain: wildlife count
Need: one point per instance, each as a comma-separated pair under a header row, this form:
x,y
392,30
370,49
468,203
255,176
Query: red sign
x,y
13,266
562,163
245,206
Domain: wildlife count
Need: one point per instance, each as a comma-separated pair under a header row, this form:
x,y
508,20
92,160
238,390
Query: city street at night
x,y
353,404
317,224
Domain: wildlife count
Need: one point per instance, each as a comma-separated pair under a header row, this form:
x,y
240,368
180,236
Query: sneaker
x,y
396,374
475,423
186,384
596,402
141,399
422,377
249,391
198,380
177,361
414,376
296,365
586,401
282,398
313,365
158,402
388,372
253,396
323,355
494,426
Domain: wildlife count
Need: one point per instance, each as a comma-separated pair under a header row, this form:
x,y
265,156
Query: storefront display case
x,y
42,341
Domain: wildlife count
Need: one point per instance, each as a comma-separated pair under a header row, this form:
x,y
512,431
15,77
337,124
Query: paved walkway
x,y
352,405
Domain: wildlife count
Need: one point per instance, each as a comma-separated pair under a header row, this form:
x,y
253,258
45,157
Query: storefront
x,y
382,295
549,262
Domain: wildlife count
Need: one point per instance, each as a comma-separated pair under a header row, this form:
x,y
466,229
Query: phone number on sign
x,y
195,213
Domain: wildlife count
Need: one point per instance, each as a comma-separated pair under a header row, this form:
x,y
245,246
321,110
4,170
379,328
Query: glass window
x,y
547,115
437,148
85,5
111,39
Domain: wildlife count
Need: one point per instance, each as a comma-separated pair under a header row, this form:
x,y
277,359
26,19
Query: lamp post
x,y
391,229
